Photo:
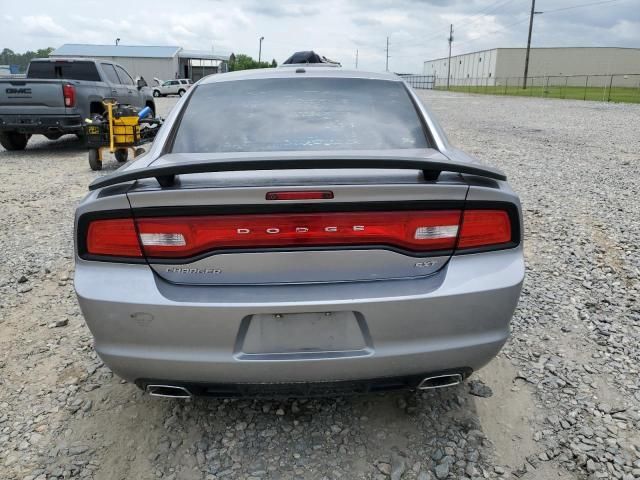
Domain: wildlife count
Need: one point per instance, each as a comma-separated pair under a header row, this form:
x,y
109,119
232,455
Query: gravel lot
x,y
565,390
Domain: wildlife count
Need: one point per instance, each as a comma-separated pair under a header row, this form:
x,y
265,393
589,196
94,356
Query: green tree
x,y
9,57
245,62
5,55
44,52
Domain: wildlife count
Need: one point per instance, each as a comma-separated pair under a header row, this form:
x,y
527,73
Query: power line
x,y
505,27
493,32
474,18
582,5
484,12
487,12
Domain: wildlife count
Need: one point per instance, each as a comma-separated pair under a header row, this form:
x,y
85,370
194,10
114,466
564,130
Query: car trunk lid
x,y
292,226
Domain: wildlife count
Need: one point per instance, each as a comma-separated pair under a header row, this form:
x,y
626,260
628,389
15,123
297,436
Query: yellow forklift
x,y
119,130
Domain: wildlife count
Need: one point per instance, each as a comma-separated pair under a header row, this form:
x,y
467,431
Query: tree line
x,y
236,62
245,62
9,57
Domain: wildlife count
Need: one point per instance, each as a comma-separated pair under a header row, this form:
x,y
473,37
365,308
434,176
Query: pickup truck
x,y
58,94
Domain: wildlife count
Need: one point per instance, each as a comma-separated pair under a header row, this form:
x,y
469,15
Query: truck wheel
x,y
121,155
94,160
13,140
181,91
138,151
152,106
156,93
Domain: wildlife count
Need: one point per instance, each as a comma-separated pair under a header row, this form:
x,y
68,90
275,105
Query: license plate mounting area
x,y
281,336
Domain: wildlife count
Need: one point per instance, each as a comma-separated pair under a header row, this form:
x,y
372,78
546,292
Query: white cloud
x,y
627,30
43,26
418,29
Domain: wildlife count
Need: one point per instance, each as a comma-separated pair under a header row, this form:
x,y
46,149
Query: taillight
x,y
417,231
420,231
113,237
69,94
482,228
300,195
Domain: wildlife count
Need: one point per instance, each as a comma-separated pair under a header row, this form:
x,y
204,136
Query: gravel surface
x,y
561,401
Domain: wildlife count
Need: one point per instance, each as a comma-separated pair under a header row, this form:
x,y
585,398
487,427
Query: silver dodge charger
x,y
299,231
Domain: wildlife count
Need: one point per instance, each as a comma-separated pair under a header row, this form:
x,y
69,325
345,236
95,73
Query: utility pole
x,y
526,58
260,50
356,59
387,65
449,61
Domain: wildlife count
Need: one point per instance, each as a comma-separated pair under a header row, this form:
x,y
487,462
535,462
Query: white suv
x,y
172,87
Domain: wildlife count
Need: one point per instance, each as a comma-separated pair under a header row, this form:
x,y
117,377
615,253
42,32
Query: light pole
x,y
386,66
117,41
449,61
260,50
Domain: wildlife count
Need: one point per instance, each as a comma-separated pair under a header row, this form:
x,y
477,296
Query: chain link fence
x,y
602,88
426,82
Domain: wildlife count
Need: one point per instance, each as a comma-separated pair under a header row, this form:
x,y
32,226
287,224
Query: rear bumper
x,y
43,124
146,328
301,389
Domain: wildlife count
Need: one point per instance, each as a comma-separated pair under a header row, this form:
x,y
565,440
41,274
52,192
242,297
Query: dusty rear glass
x,y
66,70
296,114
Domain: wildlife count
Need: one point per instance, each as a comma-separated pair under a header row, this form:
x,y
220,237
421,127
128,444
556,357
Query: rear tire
x,y
152,106
122,155
82,138
138,151
94,160
14,141
181,92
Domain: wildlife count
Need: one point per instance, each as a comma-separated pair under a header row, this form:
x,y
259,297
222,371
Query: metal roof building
x,y
162,61
493,67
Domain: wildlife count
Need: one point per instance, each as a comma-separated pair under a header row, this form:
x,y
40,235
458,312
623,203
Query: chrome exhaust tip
x,y
440,381
168,391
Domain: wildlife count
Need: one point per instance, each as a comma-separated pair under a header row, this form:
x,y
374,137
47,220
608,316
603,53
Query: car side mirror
x,y
141,83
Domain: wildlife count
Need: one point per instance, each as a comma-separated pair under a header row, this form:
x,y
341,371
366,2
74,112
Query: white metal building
x,y
149,61
484,67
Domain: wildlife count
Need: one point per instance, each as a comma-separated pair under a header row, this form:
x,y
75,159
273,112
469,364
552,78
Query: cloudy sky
x,y
418,29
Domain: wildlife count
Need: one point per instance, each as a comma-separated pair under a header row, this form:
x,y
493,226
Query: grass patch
x,y
599,94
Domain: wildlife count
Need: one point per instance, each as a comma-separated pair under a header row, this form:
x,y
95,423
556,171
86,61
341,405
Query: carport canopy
x,y
196,64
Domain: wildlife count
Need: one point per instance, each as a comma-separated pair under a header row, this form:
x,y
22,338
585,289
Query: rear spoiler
x,y
165,173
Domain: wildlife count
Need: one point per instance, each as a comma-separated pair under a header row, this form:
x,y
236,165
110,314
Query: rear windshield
x,y
299,114
66,70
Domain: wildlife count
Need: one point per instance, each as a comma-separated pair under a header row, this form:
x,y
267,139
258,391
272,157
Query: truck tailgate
x,y
24,97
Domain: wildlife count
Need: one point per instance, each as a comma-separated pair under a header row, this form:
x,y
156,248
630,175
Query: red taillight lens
x,y
69,94
419,231
300,195
113,237
481,228
415,231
